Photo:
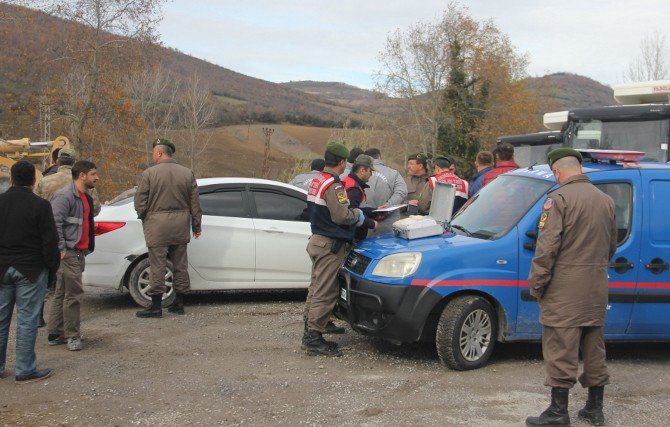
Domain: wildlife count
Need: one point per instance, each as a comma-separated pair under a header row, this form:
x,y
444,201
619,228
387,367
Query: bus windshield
x,y
649,136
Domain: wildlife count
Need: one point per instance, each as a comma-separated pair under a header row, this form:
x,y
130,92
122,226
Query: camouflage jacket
x,y
49,185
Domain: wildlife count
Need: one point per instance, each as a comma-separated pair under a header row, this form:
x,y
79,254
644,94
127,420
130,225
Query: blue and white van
x,y
467,288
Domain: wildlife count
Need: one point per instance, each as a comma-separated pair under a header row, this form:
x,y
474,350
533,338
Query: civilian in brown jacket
x,y
168,204
568,277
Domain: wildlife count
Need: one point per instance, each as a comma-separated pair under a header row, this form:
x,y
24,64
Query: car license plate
x,y
343,293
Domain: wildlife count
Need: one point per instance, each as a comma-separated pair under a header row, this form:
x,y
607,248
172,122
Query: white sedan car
x,y
254,235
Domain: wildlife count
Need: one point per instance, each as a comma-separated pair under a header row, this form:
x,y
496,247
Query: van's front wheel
x,y
466,333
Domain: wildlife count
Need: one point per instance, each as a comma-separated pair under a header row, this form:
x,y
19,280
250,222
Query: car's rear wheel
x,y
466,333
138,284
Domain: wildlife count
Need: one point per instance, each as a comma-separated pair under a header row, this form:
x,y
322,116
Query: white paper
x,y
390,208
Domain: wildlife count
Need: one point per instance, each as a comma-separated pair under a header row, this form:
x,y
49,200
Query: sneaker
x,y
55,339
74,344
38,374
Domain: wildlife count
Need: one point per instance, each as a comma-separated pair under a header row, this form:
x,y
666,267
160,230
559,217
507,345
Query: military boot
x,y
593,410
177,306
154,310
557,413
331,343
313,342
332,328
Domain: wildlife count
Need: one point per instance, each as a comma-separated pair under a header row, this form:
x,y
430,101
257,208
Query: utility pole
x,y
45,121
266,156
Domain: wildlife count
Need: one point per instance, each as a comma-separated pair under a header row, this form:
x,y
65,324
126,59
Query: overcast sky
x,y
329,40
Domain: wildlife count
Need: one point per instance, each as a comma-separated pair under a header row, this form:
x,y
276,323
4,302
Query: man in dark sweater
x,y
29,258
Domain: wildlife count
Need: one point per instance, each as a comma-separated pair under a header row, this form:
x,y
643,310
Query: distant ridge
x,y
567,90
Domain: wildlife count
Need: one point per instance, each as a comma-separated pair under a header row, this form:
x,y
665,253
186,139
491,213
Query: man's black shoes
x,y
313,343
154,310
38,374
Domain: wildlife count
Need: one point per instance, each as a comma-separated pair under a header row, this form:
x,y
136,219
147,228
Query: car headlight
x,y
398,265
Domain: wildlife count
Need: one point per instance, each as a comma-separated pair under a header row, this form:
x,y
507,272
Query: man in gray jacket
x,y
168,204
304,179
387,188
73,213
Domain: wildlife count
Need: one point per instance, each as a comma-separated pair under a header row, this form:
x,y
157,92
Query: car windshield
x,y
498,207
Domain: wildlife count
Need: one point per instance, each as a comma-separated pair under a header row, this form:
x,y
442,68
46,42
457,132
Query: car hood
x,y
387,244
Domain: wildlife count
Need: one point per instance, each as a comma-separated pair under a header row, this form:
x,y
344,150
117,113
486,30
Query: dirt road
x,y
235,359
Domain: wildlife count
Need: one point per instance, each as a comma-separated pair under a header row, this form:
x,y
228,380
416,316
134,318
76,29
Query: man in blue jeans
x,y
29,259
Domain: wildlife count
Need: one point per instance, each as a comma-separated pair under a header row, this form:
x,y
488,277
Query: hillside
x,y
36,36
563,90
344,94
566,91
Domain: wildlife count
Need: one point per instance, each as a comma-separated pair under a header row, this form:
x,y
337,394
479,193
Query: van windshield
x,y
497,208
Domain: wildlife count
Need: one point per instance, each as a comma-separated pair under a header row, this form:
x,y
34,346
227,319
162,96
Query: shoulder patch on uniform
x,y
548,204
342,196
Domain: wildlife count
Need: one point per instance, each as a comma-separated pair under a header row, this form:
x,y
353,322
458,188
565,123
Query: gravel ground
x,y
235,359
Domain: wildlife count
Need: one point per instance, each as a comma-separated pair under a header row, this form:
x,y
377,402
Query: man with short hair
x,y
443,167
504,156
333,225
355,185
53,168
168,203
568,277
386,188
302,180
483,164
73,213
416,180
28,259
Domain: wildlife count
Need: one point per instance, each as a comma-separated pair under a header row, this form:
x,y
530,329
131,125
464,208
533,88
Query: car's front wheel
x,y
466,333
138,284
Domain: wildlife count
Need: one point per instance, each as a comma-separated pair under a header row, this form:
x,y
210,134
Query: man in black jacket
x,y
29,258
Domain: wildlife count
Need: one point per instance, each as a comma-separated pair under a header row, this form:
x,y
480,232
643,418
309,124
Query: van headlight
x,y
398,265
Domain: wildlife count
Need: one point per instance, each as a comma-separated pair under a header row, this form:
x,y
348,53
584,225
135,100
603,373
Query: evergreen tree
x,y
464,104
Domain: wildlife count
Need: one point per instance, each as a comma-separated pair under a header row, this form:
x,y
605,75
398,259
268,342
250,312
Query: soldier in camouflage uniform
x,y
49,185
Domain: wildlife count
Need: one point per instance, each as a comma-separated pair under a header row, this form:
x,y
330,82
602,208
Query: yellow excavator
x,y
36,152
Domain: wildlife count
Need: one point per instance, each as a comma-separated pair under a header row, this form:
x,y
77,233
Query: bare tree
x,y
652,61
416,67
111,38
196,116
154,93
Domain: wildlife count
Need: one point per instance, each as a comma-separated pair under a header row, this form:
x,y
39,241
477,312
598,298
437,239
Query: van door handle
x,y
657,266
621,265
